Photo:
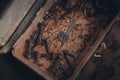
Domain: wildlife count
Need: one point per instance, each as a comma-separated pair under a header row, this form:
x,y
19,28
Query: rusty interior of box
x,y
53,56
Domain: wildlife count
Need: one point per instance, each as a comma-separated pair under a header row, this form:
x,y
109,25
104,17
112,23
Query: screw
x,y
30,45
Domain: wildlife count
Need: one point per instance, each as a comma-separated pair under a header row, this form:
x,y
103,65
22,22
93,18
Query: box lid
x,y
15,16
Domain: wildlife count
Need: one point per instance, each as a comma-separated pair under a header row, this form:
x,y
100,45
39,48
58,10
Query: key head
x,y
63,37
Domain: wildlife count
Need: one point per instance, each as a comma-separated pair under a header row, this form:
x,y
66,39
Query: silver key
x,y
63,36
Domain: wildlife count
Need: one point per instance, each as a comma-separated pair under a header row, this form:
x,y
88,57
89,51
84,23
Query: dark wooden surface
x,y
108,66
12,69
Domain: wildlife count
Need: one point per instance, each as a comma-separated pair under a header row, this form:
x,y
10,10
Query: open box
x,y
88,38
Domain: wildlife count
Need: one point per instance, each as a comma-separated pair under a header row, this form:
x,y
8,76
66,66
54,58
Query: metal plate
x,y
28,13
11,16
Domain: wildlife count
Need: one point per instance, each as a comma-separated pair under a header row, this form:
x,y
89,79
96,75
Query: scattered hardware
x,y
58,68
99,10
75,7
102,47
36,59
84,36
96,55
35,38
30,45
